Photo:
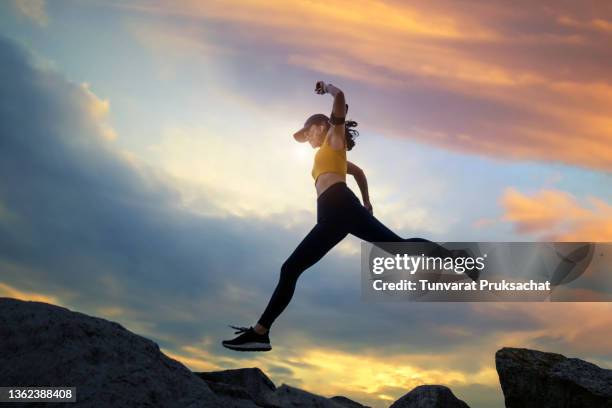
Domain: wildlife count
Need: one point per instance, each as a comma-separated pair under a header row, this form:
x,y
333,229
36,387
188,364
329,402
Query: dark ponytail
x,y
350,134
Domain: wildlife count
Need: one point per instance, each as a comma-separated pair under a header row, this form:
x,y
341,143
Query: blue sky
x,y
149,175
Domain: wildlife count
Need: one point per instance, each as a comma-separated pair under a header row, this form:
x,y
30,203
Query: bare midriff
x,y
326,180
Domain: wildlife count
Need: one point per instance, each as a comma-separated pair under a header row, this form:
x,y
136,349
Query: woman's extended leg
x,y
323,237
365,226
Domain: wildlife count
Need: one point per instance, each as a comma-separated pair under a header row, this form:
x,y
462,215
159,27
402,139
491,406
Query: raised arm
x,y
362,182
338,137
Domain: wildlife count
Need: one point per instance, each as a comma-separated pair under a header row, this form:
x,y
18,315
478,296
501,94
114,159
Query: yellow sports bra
x,y
329,160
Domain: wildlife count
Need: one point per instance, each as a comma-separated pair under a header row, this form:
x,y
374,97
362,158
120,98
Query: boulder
x,y
251,381
429,396
291,397
43,344
252,385
232,396
531,378
347,402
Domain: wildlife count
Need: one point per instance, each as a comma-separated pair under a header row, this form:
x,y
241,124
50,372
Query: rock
x,y
251,384
347,402
252,381
531,378
232,396
291,397
43,344
229,390
429,396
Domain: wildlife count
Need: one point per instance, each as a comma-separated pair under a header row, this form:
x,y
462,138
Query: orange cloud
x,y
196,360
536,92
594,24
12,292
557,216
577,328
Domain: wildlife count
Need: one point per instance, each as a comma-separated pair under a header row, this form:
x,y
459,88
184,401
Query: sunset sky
x,y
148,174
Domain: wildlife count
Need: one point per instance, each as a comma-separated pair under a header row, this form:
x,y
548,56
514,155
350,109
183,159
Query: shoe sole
x,y
248,347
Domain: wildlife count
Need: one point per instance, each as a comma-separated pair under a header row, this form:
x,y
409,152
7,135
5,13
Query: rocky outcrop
x,y
347,402
43,344
46,344
535,379
292,397
232,396
252,385
257,387
429,396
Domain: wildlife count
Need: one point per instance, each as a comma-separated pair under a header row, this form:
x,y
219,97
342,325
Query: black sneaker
x,y
249,340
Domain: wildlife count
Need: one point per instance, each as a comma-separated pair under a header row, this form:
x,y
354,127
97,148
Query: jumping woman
x,y
339,212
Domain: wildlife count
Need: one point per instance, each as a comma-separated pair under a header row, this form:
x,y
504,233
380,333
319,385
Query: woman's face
x,y
316,135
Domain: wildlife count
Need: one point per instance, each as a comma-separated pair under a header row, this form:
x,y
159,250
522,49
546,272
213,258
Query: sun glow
x,y
302,152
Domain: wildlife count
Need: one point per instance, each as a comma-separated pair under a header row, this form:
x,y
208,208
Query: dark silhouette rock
x,y
429,396
347,402
252,385
291,397
232,396
43,344
531,378
252,381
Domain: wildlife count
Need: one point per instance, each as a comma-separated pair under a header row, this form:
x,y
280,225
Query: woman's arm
x,y
338,136
362,182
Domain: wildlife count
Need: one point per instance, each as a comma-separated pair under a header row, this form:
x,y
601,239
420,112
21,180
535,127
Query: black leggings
x,y
339,212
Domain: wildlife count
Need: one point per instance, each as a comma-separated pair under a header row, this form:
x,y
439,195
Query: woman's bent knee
x,y
289,272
